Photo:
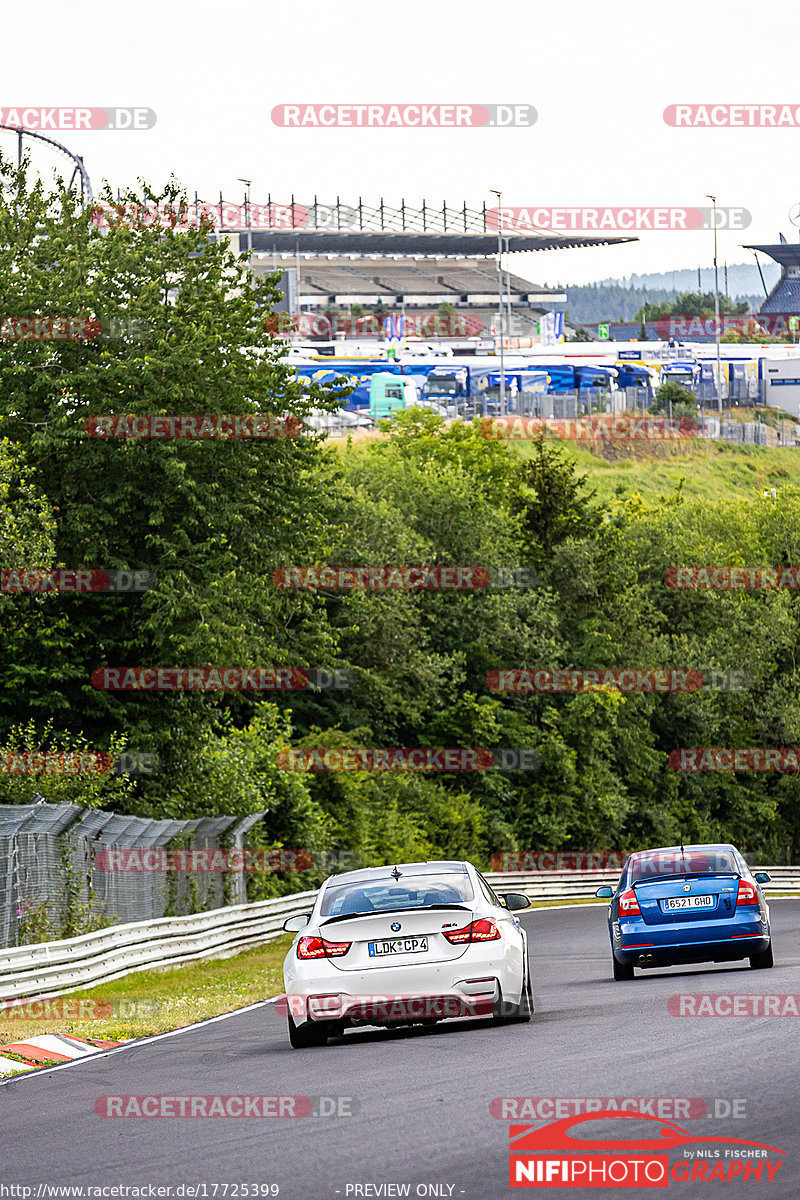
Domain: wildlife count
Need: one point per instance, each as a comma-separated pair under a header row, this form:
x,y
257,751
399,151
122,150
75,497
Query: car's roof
x,y
371,874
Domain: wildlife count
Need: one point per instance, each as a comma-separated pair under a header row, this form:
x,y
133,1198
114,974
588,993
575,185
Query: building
x,y
784,298
404,259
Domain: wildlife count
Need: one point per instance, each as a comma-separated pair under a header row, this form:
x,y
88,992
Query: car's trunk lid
x,y
687,898
418,937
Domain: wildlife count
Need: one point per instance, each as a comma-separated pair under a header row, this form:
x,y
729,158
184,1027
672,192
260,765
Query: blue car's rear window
x,y
673,862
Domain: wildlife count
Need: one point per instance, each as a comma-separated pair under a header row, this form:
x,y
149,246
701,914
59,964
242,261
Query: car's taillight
x,y
629,905
747,893
317,947
483,930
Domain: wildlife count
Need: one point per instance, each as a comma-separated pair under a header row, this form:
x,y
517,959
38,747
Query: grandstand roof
x,y
785,253
385,229
348,242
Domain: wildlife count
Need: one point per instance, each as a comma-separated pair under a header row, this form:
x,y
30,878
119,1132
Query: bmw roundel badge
x,y
687,887
395,926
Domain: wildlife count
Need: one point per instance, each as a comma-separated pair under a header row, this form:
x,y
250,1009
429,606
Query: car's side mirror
x,y
605,893
762,877
515,901
297,922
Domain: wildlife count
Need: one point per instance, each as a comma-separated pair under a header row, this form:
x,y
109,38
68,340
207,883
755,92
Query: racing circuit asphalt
x,y
423,1095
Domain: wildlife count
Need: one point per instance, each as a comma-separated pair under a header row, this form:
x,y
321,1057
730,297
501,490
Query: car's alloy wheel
x,y
760,961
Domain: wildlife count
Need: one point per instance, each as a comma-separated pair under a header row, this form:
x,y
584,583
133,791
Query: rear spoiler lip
x,y
389,912
691,875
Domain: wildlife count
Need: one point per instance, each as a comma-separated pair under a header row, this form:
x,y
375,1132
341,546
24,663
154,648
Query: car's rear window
x,y
387,895
673,862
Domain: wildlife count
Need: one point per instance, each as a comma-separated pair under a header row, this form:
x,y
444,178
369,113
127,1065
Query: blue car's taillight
x,y
747,893
629,905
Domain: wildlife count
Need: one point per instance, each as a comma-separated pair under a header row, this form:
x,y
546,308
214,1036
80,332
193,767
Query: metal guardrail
x,y
577,885
54,968
50,968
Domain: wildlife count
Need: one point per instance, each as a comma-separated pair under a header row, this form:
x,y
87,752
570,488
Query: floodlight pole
x,y
713,200
247,183
499,195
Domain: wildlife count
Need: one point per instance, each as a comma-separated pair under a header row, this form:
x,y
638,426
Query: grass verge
x,y
147,1002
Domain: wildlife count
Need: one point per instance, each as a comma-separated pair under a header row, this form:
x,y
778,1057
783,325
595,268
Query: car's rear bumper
x,y
467,998
730,949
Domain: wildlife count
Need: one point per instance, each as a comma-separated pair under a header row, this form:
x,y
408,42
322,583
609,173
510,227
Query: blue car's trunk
x,y
687,899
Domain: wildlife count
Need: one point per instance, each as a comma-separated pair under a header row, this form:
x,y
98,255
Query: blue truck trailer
x,y
458,385
576,377
521,388
345,374
684,372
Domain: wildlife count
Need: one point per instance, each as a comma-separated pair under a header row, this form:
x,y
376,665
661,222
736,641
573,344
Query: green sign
x,y
794,323
602,332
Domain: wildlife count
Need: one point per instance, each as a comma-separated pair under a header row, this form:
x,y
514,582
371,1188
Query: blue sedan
x,y
687,904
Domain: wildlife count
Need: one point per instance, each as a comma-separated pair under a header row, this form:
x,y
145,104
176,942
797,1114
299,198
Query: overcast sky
x,y
599,76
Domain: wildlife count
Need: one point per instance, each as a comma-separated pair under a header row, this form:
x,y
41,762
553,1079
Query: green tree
x,y
183,332
684,403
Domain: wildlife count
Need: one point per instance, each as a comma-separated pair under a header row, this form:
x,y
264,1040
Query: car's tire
x,y
622,971
310,1033
505,1013
758,962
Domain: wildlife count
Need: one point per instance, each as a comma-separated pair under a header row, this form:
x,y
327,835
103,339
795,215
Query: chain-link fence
x,y
53,884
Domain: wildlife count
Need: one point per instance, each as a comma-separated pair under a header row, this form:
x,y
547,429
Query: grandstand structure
x,y
784,299
416,285
405,258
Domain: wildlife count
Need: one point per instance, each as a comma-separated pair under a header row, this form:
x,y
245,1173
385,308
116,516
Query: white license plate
x,y
689,902
398,946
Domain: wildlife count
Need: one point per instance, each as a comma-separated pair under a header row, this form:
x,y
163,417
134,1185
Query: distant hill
x,y
619,299
743,279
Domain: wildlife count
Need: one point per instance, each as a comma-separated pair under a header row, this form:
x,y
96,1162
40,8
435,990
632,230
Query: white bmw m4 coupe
x,y
414,943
